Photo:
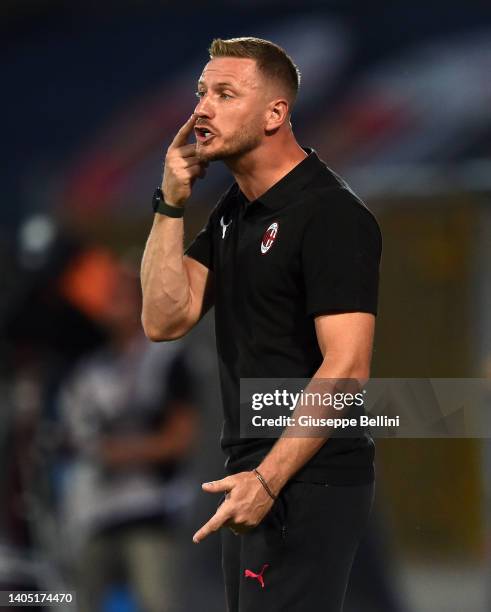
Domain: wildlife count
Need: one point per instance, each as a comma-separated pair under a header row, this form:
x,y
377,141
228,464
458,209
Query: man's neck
x,y
260,169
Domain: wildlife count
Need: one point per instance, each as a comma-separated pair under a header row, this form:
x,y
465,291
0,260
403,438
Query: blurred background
x,y
105,437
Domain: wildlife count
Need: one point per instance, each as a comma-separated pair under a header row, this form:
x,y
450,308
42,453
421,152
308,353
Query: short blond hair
x,y
271,60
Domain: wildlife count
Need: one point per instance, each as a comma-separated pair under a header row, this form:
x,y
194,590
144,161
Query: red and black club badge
x,y
269,237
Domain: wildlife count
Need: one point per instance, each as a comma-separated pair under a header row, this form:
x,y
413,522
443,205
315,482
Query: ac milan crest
x,y
269,237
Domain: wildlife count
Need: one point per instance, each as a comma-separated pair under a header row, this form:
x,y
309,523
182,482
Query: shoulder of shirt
x,y
339,208
329,193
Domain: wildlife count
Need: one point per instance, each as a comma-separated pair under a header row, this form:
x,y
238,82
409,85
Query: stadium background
x,y
396,97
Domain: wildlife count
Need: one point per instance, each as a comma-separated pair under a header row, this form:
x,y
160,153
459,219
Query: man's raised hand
x,y
182,166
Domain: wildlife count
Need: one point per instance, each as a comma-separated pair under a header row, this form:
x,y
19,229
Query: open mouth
x,y
203,134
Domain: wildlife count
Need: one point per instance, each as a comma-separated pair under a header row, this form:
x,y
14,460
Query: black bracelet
x,y
265,484
171,211
159,205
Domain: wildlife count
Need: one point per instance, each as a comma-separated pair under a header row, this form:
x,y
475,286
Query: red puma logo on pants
x,y
250,574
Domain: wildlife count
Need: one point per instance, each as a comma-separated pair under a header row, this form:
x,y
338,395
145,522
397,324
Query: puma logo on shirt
x,y
224,226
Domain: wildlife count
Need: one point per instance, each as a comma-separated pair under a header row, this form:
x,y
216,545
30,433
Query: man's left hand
x,y
245,506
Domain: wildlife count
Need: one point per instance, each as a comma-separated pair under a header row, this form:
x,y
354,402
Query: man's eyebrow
x,y
220,84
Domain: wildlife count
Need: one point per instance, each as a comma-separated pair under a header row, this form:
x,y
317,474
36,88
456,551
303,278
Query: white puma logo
x,y
224,226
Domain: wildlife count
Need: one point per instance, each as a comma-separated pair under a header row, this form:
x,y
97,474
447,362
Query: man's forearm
x,y
165,284
165,281
286,457
291,452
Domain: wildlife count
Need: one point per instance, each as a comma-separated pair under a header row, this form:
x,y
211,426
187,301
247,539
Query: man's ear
x,y
277,114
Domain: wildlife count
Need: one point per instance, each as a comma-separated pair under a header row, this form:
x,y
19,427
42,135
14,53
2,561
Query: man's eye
x,y
225,96
200,94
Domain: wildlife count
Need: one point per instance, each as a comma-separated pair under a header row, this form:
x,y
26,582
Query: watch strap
x,y
161,207
171,211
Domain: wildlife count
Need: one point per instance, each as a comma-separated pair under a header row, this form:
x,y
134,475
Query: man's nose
x,y
204,108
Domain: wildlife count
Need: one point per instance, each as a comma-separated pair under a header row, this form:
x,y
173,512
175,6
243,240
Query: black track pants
x,y
299,558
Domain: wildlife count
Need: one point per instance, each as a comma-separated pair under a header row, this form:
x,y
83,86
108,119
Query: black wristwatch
x,y
160,206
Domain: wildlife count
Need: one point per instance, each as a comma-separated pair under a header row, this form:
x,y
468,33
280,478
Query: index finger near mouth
x,y
188,150
182,135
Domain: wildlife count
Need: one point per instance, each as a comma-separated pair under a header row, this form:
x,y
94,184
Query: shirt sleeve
x,y
201,248
341,251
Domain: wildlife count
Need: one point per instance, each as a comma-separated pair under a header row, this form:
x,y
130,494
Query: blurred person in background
x,y
131,421
44,332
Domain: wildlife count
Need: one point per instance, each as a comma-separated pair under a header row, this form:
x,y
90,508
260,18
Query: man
x,y
289,258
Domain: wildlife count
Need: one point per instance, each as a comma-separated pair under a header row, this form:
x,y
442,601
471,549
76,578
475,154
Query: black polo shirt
x,y
308,246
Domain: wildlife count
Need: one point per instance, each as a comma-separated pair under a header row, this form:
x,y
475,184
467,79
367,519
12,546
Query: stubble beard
x,y
246,140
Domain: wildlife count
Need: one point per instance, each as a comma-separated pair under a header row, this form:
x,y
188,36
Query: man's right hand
x,y
182,166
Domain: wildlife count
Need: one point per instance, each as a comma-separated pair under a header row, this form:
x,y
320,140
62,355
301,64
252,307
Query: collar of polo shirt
x,y
287,187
